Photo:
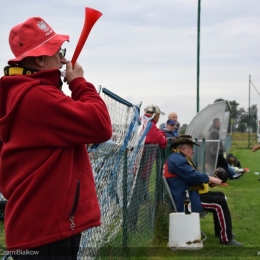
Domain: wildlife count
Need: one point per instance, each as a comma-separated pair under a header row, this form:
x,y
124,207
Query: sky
x,y
146,51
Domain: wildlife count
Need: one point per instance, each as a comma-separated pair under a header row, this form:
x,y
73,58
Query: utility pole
x,y
249,113
198,60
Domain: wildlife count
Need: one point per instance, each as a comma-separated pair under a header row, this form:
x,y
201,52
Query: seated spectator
x,y
235,164
170,128
233,172
173,116
233,161
182,175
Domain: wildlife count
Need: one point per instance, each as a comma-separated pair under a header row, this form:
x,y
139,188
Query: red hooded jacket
x,y
45,172
155,135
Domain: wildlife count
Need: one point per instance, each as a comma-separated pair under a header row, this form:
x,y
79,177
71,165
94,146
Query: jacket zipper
x,y
75,206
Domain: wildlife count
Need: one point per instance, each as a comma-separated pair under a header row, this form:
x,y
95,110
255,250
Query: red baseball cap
x,y
33,38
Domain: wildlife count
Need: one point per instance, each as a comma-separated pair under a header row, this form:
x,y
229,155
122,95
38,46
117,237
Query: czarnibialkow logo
x,y
19,252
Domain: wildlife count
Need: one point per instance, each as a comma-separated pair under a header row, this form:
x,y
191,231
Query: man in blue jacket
x,y
169,129
182,175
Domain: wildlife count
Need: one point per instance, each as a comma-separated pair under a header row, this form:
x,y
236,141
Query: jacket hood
x,y
12,90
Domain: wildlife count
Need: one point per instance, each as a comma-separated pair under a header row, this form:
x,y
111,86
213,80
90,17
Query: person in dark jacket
x,y
45,171
170,128
221,161
173,116
233,161
182,175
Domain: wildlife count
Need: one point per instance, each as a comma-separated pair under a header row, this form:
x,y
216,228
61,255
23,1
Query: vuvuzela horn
x,y
91,16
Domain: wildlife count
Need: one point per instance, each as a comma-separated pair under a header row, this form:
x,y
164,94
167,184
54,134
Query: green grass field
x,y
244,203
243,140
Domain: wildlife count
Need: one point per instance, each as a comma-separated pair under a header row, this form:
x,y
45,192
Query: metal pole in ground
x,y
198,60
248,127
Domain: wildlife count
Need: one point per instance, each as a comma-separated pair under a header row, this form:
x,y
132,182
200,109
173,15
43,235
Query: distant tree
x,y
241,120
219,99
233,113
252,118
234,105
183,129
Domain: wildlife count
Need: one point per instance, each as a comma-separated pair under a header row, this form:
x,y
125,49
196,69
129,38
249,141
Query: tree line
x,y
242,120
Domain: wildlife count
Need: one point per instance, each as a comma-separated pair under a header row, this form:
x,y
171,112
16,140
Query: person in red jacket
x,y
45,172
153,138
155,135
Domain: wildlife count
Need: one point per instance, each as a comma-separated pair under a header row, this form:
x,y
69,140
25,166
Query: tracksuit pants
x,y
215,202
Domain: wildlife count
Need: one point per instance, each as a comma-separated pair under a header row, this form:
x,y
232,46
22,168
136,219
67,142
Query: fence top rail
x,y
118,99
207,140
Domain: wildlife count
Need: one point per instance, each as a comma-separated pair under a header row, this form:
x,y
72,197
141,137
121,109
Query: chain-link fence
x,y
243,140
134,217
2,212
134,224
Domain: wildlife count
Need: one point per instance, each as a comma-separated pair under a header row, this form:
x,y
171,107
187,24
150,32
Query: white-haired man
x,y
182,175
45,171
172,116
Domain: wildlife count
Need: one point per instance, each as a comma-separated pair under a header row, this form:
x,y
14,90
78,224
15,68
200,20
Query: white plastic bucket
x,y
184,231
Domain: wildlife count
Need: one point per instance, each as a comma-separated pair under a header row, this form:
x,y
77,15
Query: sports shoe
x,y
232,242
236,176
238,170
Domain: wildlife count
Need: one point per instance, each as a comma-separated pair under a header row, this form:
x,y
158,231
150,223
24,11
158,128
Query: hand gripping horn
x,y
91,16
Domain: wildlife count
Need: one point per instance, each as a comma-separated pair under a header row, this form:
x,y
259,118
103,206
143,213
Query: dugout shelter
x,y
199,129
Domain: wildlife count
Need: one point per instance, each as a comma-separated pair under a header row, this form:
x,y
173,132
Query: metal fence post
x,y
125,235
203,156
